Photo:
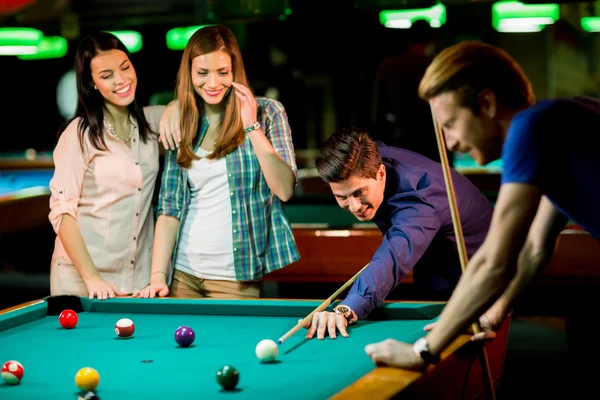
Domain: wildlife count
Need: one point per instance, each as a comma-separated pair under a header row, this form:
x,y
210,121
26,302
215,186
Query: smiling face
x,y
360,196
212,76
114,76
479,135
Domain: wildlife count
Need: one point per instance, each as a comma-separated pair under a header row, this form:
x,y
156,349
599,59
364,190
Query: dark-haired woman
x,y
106,164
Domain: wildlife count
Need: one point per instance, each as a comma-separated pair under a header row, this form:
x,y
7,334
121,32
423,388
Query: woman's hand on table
x,y
98,287
392,353
329,322
152,290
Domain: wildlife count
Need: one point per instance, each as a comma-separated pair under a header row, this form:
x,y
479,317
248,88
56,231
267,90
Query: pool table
x,y
26,159
24,198
150,365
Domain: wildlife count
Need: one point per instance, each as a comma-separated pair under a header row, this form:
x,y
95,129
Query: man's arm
x,y
415,223
493,266
536,254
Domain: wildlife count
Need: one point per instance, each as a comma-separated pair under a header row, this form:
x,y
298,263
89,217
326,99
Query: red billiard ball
x,y
68,319
124,327
12,372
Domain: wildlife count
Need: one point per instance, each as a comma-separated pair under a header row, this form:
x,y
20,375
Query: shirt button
x,y
60,192
134,238
137,163
139,189
234,211
234,231
230,175
134,140
235,249
231,193
132,261
137,214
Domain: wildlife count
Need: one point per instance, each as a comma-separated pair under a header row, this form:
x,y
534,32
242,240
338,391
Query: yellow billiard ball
x,y
87,378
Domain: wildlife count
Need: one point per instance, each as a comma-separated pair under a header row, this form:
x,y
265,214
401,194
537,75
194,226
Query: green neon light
x,y
14,41
131,39
513,16
177,38
50,47
403,19
590,24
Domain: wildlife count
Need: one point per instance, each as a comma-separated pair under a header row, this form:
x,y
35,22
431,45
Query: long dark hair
x,y
90,102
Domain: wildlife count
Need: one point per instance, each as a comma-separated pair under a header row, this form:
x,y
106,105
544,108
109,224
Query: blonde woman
x,y
221,225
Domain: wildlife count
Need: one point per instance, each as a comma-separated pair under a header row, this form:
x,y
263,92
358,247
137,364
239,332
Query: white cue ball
x,y
266,350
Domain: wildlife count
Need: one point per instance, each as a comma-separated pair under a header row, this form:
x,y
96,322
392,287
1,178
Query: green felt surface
x,y
226,333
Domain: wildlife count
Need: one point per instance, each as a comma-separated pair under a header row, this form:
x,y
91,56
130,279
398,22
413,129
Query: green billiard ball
x,y
228,377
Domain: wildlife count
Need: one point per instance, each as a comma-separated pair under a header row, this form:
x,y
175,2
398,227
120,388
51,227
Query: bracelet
x,y
158,272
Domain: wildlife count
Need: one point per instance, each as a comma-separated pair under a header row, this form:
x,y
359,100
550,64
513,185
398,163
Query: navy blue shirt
x,y
416,224
554,145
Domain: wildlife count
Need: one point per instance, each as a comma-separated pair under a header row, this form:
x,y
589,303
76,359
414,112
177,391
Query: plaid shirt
x,y
263,241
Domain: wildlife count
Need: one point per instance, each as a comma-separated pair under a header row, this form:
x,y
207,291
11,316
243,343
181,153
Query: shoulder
x,y
269,107
71,131
552,111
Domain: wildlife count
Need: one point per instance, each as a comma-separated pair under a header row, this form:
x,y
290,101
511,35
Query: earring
x,y
95,87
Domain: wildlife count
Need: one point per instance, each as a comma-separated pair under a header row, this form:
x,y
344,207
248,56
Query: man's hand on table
x,y
329,322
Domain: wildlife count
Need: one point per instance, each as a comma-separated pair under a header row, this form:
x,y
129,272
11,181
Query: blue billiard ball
x,y
184,336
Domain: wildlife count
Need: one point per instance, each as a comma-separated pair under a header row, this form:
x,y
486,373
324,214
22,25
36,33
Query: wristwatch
x,y
253,127
346,312
421,349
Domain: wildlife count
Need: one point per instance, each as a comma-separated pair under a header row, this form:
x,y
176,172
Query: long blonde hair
x,y
204,41
472,66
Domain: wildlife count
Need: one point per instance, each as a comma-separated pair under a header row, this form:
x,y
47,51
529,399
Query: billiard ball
x,y
266,350
228,377
12,372
124,327
88,396
68,319
185,336
87,379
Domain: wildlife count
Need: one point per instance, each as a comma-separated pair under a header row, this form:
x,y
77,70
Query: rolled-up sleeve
x,y
171,195
414,225
70,164
279,133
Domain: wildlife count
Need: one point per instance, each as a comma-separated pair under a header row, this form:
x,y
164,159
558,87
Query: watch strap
x,y
254,126
421,349
347,313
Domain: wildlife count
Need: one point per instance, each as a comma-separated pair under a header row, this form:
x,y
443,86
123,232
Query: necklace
x,y
113,133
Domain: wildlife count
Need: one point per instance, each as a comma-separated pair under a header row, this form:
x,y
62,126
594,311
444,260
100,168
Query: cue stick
x,y
323,306
460,242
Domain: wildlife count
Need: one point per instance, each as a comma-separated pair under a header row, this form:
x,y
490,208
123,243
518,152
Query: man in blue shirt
x,y
404,194
485,104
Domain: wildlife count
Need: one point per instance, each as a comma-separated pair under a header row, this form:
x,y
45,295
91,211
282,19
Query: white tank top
x,y
206,246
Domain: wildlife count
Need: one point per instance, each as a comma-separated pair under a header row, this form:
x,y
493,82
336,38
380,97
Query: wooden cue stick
x,y
302,323
460,242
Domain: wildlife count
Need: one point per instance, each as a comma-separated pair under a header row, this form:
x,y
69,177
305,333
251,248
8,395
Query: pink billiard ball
x,y
12,372
68,319
124,327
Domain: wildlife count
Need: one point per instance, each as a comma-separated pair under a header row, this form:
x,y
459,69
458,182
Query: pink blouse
x,y
109,194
